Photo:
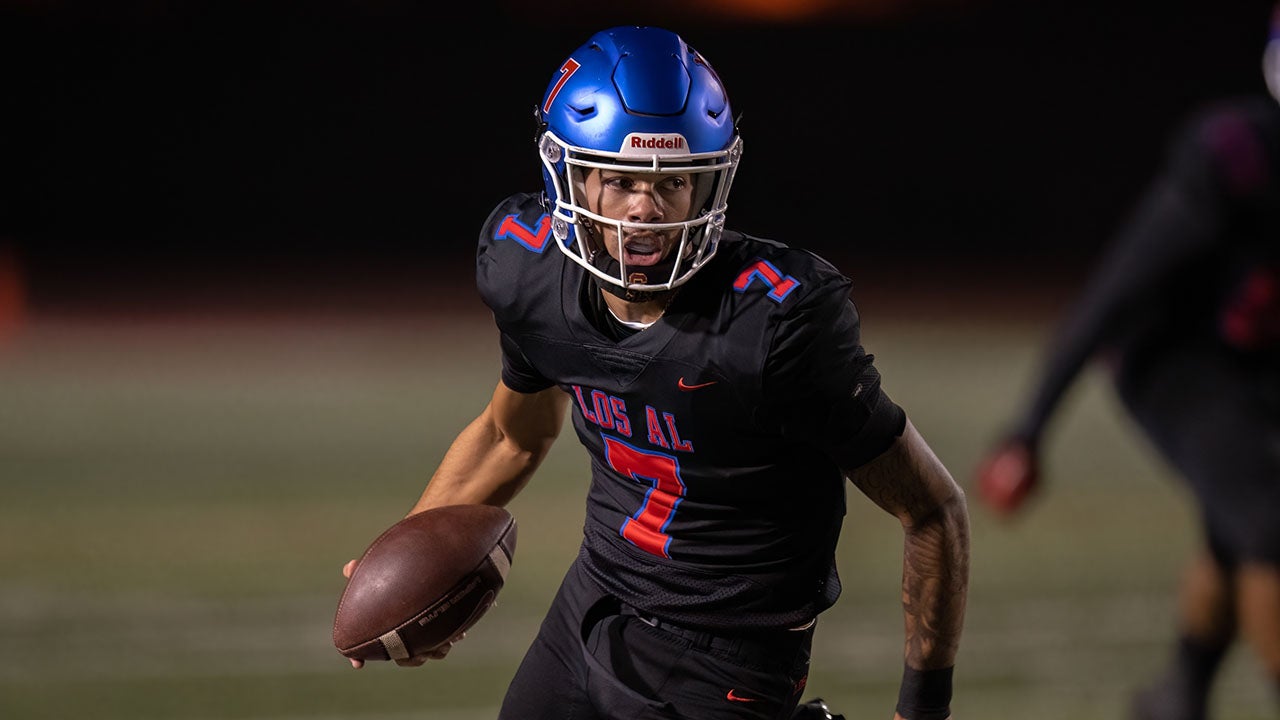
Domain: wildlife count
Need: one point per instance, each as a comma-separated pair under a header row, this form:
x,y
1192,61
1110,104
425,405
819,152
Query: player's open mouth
x,y
642,252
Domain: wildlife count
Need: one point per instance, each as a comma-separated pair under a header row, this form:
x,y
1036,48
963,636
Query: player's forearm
x,y
909,481
935,582
481,466
494,457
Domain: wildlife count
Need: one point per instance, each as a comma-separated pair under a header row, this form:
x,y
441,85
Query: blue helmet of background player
x,y
1271,54
637,99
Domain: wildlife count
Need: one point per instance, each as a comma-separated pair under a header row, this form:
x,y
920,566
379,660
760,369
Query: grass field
x,y
178,495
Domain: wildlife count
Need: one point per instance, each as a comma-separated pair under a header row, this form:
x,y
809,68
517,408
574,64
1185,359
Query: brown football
x,y
424,581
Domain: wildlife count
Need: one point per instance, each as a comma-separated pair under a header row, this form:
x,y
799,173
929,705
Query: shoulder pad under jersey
x,y
516,261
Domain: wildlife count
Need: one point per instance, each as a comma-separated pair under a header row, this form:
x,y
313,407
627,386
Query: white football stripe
x,y
395,646
500,561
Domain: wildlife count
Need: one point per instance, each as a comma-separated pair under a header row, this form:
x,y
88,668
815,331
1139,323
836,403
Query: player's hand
x,y
437,654
346,573
1007,476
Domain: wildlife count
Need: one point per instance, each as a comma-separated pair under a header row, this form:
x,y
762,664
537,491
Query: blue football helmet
x,y
1271,54
637,99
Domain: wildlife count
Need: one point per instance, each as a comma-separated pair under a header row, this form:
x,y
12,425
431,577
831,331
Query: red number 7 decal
x,y
780,285
566,71
646,527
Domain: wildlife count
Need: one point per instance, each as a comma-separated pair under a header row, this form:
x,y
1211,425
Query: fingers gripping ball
x,y
424,581
1007,477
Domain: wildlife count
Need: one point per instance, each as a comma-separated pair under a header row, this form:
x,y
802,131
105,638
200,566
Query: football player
x,y
1186,308
718,383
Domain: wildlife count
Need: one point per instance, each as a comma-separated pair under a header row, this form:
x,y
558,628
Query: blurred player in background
x,y
1185,309
719,386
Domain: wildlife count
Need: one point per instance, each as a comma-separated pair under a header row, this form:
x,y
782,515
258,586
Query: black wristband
x,y
925,694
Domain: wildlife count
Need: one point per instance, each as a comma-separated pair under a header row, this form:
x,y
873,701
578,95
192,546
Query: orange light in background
x,y
803,10
13,295
761,12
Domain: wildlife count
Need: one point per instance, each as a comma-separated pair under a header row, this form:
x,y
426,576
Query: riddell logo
x,y
661,143
645,143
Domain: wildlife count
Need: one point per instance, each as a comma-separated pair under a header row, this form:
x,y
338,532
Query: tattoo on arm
x,y
910,482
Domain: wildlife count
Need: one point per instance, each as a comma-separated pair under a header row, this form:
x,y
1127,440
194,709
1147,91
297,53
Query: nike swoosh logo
x,y
734,697
687,387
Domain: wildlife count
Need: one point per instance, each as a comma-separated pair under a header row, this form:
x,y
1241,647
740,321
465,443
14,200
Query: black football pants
x,y
597,659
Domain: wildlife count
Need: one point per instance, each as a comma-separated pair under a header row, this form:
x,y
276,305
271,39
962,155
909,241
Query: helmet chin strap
x,y
604,262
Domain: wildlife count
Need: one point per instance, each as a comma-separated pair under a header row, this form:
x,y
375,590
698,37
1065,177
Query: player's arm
x,y
911,483
1177,222
494,456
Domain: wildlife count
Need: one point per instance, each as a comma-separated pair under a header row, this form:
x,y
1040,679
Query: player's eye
x,y
619,182
675,183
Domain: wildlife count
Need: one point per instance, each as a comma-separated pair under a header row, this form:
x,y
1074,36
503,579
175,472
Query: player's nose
x,y
645,206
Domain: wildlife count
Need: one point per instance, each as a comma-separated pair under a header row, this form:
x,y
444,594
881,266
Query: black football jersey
x,y
716,436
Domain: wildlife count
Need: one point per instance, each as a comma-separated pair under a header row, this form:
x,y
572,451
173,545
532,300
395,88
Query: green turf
x,y
177,500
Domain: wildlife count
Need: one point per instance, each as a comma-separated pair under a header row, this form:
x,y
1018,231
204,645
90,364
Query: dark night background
x,y
157,139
